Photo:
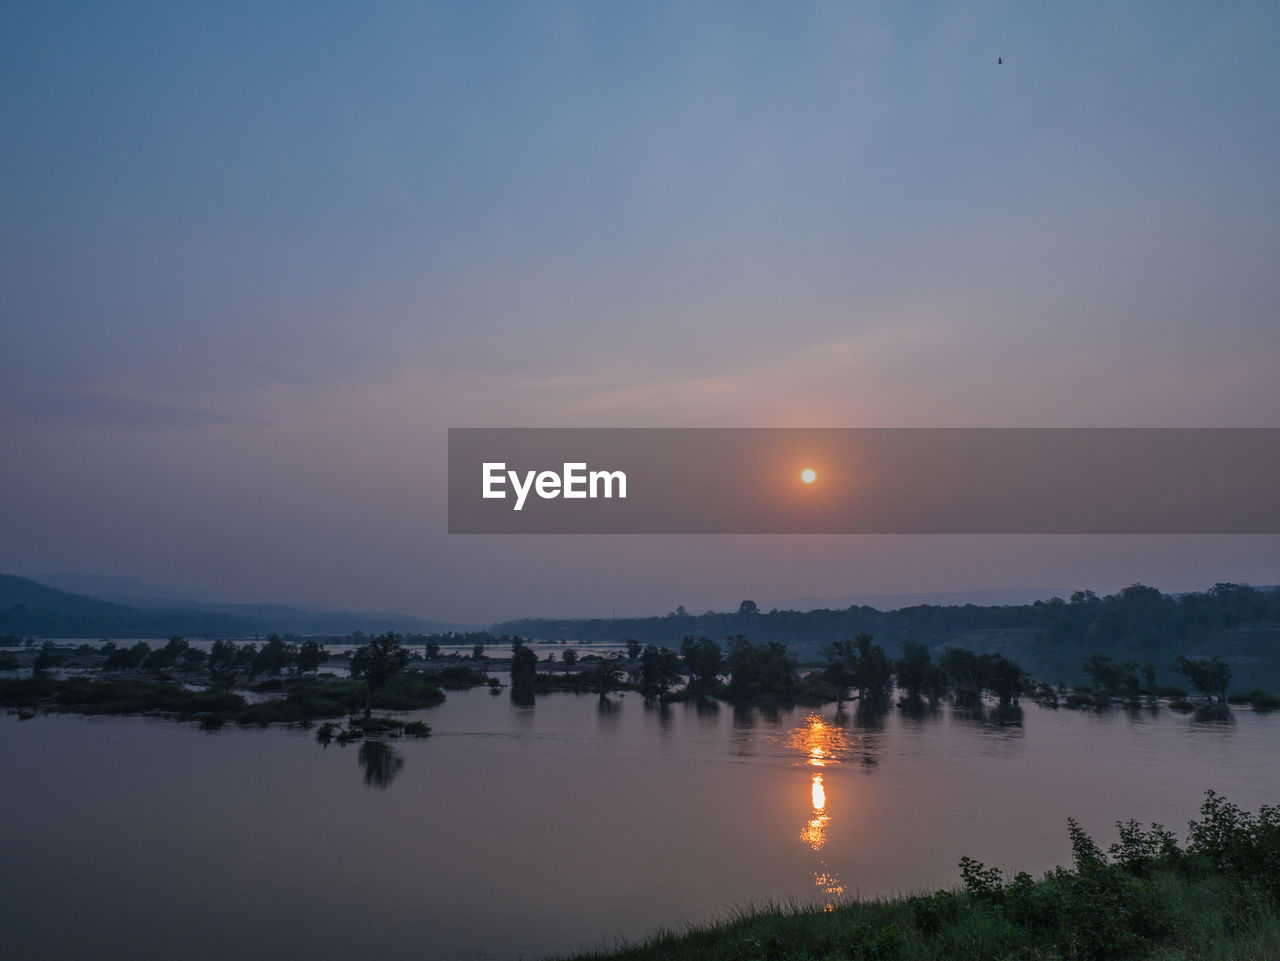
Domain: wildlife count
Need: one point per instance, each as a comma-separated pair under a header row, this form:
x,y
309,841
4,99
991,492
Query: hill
x,y
31,609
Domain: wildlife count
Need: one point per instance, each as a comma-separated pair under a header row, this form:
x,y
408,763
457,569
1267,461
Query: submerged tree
x,y
378,662
703,661
760,671
1211,678
524,665
659,669
860,664
606,673
917,674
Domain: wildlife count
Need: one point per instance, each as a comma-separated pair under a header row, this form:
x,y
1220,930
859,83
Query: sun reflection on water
x,y
822,744
820,741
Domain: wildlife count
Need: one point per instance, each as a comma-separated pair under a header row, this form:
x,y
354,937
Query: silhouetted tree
x,y
222,657
310,656
659,669
275,656
703,660
606,673
1211,678
524,665
378,662
759,671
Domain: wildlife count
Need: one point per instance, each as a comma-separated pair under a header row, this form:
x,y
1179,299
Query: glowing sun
x,y
808,475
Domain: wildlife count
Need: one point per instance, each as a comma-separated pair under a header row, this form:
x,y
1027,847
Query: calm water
x,y
521,831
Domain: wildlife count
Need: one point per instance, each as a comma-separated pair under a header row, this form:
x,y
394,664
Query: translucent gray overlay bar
x,y
866,480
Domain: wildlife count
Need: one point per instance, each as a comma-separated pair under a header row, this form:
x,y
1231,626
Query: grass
x,y
1217,899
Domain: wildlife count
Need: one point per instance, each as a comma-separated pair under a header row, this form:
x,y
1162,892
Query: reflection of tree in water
x,y
381,763
979,712
523,696
917,708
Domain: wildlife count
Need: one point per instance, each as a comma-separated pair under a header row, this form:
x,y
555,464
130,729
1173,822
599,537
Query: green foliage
x,y
1216,899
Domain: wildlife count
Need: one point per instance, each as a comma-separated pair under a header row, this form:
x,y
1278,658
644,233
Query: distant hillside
x,y
31,609
1050,638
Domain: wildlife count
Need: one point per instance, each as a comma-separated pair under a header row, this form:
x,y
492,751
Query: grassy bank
x,y
1217,897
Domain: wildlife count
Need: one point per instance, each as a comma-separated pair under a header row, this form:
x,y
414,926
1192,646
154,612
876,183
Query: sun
x,y
808,475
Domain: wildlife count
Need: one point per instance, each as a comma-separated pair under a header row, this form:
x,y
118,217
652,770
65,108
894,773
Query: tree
x,y
759,671
222,662
47,658
570,659
477,651
275,656
310,656
703,661
659,669
606,673
839,669
917,674
378,662
1002,676
1111,678
748,608
524,665
431,648
964,669
247,659
1211,678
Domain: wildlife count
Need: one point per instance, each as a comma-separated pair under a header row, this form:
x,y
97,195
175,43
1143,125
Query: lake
x,y
522,831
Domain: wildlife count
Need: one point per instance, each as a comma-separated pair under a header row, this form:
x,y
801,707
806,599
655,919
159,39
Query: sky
x,y
259,258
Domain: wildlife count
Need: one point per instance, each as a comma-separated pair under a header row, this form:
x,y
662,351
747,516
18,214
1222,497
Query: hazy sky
x,y
258,257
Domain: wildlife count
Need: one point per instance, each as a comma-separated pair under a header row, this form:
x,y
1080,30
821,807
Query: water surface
x,y
519,831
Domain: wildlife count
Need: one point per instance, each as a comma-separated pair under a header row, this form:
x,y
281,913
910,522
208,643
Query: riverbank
x,y
1146,898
